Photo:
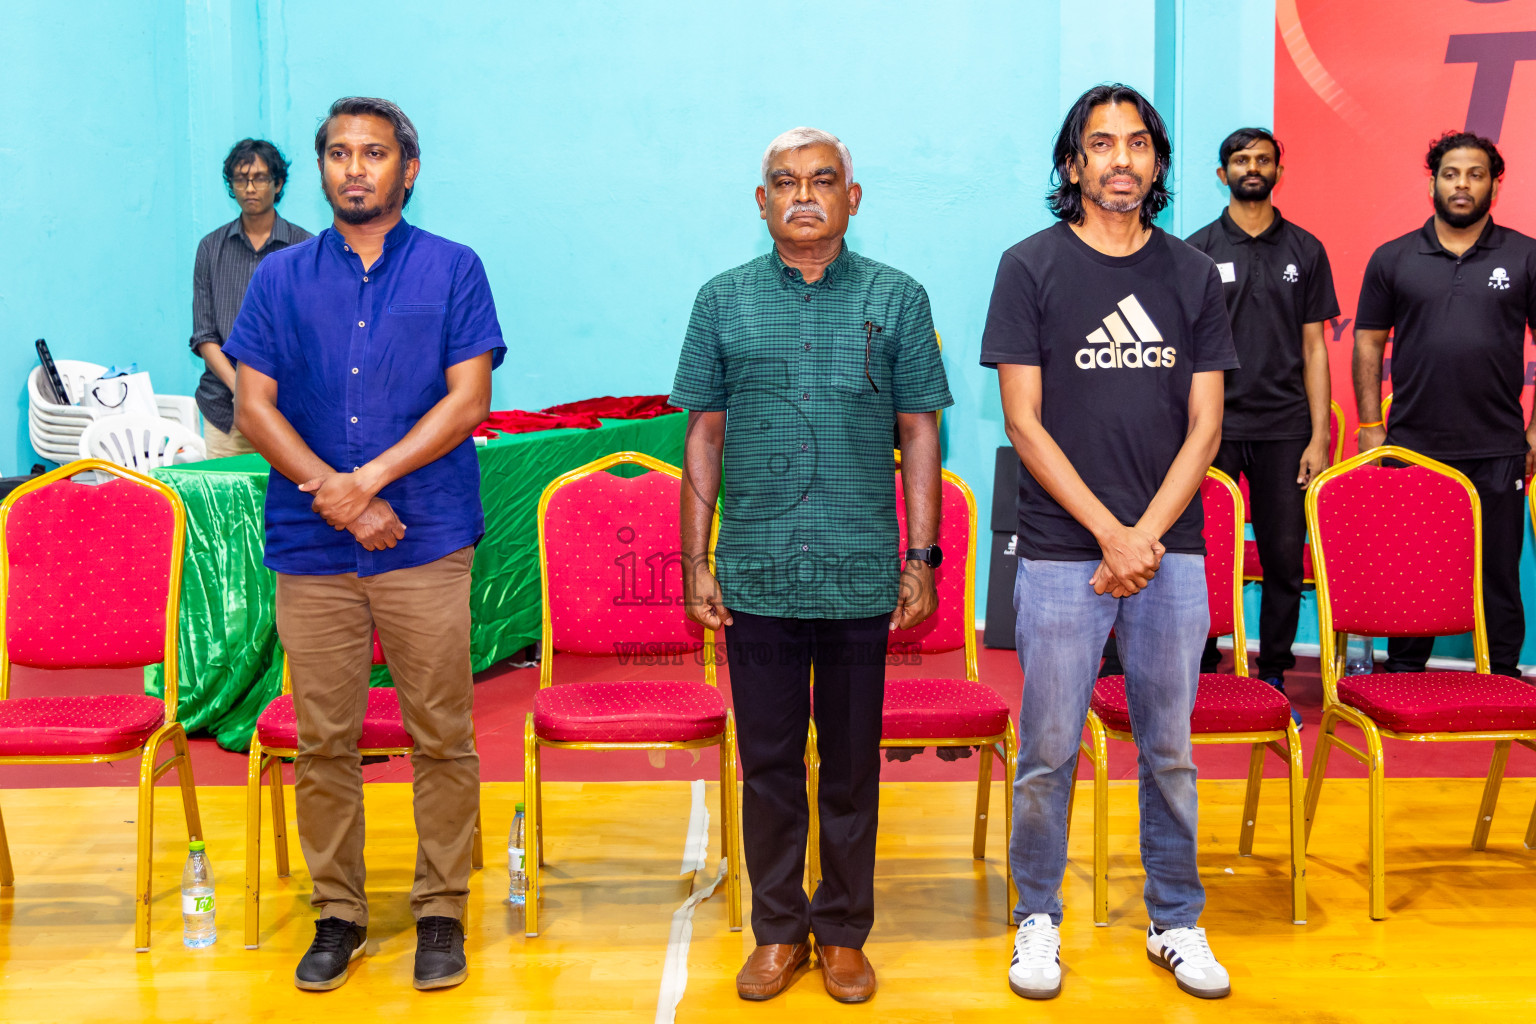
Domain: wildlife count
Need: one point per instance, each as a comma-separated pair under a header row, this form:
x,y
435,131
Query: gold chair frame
x,y
533,796
1283,743
1004,745
269,761
1336,711
171,732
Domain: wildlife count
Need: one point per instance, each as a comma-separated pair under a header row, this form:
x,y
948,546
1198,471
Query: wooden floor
x,y
1458,941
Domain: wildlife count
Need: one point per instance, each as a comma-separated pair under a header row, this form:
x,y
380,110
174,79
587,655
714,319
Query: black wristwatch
x,y
932,554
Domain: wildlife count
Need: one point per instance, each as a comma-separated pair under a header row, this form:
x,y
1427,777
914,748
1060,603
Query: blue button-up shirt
x,y
359,357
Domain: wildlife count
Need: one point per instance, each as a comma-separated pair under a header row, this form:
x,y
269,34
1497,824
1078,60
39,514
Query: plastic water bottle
x,y
1358,659
197,899
517,877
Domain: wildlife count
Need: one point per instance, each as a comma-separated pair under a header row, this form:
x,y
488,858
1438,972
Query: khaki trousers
x,y
326,625
221,445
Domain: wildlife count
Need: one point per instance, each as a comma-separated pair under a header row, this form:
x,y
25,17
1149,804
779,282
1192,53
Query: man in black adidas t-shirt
x,y
1456,296
1110,340
1279,290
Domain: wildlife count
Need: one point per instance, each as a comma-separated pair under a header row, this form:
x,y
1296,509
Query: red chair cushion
x,y
383,729
633,711
90,570
938,709
1254,570
1223,703
75,726
1441,701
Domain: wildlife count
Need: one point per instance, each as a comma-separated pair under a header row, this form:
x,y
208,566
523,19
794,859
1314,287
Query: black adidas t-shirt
x,y
1117,340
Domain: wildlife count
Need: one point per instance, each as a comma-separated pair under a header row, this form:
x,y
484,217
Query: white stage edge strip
x,y
674,972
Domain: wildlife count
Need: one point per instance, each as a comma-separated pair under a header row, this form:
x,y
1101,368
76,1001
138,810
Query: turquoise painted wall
x,y
600,156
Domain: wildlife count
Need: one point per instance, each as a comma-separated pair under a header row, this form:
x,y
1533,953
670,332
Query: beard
x,y
1097,192
1252,188
1462,220
356,209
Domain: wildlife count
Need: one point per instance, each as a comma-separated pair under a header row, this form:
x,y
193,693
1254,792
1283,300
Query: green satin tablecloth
x,y
231,664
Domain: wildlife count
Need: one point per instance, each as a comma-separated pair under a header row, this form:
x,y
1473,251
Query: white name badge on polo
x,y
1228,272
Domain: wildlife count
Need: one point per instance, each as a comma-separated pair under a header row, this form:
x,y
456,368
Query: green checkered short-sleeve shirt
x,y
808,524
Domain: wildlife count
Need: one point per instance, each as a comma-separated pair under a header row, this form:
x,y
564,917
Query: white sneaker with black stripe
x,y
1185,952
1036,969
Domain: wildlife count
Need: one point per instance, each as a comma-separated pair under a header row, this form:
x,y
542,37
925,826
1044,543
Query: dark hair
x,y
405,131
1464,140
243,152
1245,137
1066,199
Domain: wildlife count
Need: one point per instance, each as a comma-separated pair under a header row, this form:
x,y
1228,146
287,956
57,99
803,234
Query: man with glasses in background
x,y
255,174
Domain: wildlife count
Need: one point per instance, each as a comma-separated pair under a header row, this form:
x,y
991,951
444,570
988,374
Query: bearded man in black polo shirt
x,y
1456,296
1279,290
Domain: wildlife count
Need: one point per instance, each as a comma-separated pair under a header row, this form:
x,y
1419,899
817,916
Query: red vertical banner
x,y
1361,89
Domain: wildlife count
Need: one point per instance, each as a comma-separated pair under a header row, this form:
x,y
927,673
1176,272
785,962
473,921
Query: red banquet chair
x,y
277,737
1253,571
92,579
939,711
612,586
1228,708
1400,553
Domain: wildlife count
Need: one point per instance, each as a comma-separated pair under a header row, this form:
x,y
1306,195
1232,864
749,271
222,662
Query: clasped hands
x,y
1132,556
348,501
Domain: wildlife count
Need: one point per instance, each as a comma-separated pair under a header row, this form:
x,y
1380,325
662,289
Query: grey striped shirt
x,y
223,269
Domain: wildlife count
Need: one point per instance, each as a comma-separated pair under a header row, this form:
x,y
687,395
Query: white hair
x,y
799,138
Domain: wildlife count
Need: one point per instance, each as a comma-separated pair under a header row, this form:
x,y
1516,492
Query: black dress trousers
x,y
770,661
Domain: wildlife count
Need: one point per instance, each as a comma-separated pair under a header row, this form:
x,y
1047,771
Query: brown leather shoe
x,y
847,972
770,969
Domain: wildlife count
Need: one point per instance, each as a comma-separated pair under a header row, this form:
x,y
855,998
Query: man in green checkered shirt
x,y
798,370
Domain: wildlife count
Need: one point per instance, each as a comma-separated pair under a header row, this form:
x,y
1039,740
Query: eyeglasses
x,y
870,330
259,180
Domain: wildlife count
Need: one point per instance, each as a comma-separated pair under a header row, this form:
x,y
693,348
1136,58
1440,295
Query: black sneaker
x,y
440,959
1279,684
337,943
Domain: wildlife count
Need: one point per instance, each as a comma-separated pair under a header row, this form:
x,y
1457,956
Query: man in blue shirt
x,y
365,362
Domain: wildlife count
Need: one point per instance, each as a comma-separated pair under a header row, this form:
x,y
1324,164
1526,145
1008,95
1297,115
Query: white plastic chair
x,y
56,429
141,442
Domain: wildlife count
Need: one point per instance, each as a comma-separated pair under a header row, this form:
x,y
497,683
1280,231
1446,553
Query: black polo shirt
x,y
1458,339
1273,283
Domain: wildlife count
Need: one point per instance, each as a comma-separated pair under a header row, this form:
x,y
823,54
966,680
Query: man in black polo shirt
x,y
1279,290
1456,296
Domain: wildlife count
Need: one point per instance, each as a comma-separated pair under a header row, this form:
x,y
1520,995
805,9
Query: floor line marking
x,y
674,972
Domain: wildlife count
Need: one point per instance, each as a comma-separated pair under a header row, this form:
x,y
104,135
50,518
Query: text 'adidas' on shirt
x,y
1117,340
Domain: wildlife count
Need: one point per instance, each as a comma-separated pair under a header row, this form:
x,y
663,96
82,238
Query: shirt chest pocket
x,y
857,366
418,309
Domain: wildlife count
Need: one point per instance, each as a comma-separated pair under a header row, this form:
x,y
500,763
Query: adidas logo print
x,y
1120,348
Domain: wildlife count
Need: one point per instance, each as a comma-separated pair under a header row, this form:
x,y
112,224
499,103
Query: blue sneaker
x,y
1279,684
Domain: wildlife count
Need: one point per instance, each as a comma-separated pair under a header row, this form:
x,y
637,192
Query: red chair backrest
x,y
1221,553
89,575
614,569
1397,548
946,628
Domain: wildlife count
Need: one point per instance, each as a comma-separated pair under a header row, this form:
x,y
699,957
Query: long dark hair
x,y
1066,199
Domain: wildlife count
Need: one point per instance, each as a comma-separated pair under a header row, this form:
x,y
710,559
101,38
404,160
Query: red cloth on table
x,y
632,407
516,421
583,415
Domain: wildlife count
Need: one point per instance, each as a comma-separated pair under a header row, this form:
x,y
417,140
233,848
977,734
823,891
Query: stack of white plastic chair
x,y
55,429
141,443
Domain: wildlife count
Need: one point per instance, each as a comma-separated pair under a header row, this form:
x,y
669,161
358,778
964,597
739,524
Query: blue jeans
x,y
1160,632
